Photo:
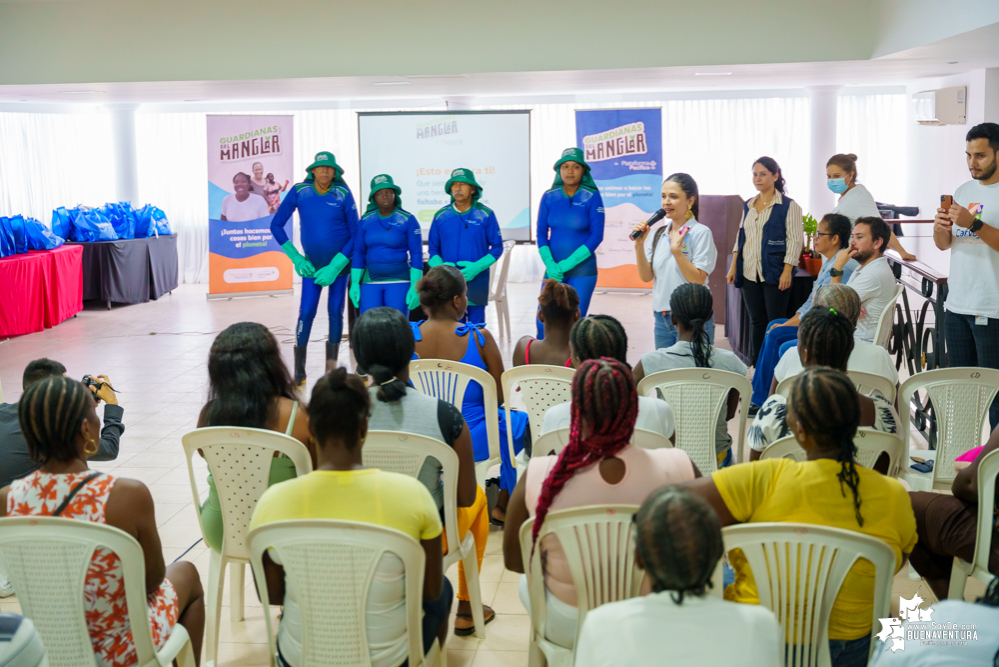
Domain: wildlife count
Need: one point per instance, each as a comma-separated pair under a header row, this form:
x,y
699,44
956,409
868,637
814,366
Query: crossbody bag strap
x,y
65,501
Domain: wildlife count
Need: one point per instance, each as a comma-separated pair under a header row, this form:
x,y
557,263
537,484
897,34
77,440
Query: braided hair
x,y
680,541
340,405
50,413
693,306
383,343
827,336
558,301
841,298
598,336
605,398
826,404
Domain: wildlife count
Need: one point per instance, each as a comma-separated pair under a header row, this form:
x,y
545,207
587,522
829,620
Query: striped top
x,y
753,224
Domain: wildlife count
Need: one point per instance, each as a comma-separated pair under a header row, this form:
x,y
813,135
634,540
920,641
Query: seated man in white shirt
x,y
603,336
679,543
873,281
865,357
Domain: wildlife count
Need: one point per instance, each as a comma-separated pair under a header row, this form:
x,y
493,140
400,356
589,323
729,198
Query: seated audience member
x,y
591,470
865,357
691,305
15,461
600,336
342,488
828,489
983,615
825,338
443,295
833,235
678,544
948,526
873,280
558,310
382,341
61,427
250,386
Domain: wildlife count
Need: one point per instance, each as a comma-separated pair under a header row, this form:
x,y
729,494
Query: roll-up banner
x,y
249,169
624,150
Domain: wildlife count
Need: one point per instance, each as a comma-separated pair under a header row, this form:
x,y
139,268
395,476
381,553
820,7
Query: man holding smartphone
x,y
969,227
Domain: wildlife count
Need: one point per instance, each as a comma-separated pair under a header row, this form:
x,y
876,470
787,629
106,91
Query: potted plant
x,y
809,262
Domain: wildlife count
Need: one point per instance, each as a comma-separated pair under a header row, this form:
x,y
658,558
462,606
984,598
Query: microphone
x,y
656,217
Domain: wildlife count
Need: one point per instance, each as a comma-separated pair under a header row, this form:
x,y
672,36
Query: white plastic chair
x,y
541,387
240,463
405,453
698,396
447,380
865,383
497,288
887,319
961,398
978,568
870,445
48,558
331,565
555,441
799,569
599,545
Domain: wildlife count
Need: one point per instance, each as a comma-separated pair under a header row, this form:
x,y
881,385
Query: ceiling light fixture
x,y
712,74
391,83
81,92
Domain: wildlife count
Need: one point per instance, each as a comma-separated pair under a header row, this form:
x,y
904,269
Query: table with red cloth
x,y
40,289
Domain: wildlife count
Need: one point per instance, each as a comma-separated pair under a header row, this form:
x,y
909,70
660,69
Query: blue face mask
x,y
837,185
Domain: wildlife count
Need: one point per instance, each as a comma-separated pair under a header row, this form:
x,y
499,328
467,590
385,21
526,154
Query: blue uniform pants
x,y
769,356
666,334
310,305
475,314
584,286
393,295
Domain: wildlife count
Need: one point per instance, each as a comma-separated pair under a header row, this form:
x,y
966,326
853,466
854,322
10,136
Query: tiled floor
x,y
156,354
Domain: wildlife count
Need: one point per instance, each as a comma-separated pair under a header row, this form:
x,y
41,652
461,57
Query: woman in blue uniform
x,y
466,235
388,252
570,227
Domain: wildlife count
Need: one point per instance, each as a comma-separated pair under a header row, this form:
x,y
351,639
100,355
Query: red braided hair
x,y
604,394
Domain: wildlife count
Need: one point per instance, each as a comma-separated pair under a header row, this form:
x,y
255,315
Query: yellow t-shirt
x,y
783,490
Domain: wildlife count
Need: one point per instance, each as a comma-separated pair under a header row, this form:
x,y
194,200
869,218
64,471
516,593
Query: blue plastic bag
x,y
90,225
151,221
122,218
61,222
16,223
6,238
39,237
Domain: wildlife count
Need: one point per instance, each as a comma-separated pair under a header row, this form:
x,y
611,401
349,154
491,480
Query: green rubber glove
x,y
551,266
578,256
436,260
412,296
303,266
326,275
356,275
472,269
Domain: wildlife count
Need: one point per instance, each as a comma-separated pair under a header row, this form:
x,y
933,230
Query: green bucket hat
x,y
574,155
463,176
325,159
383,182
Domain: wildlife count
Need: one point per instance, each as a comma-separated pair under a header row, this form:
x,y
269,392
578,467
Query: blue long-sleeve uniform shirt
x,y
565,223
328,222
388,247
467,237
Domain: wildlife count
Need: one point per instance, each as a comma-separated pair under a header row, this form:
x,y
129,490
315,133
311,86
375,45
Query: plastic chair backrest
x,y
555,441
497,287
405,453
541,387
870,446
799,569
988,470
961,398
599,546
47,560
698,396
240,462
330,565
887,319
866,383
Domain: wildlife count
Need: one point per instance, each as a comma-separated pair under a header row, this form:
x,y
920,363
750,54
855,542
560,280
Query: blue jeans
x,y
392,295
666,334
842,652
475,314
584,286
310,306
769,356
970,344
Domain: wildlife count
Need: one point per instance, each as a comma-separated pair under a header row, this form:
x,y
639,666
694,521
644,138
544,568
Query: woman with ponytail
x,y
383,343
590,471
828,489
691,308
558,310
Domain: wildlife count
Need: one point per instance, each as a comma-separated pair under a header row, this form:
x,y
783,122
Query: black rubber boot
x,y
300,365
332,356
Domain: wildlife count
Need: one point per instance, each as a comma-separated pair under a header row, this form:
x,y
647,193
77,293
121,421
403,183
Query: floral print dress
x,y
40,494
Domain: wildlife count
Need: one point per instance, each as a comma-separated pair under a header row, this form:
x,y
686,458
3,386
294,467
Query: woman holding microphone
x,y
767,250
687,255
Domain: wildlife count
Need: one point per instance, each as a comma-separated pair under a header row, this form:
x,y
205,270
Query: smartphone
x,y
946,201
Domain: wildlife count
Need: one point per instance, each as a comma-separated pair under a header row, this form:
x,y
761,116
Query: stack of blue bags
x,y
19,235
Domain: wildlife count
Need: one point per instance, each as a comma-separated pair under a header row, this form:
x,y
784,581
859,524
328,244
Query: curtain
x,y
874,128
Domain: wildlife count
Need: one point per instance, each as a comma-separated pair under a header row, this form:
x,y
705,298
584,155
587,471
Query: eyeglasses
x,y
824,234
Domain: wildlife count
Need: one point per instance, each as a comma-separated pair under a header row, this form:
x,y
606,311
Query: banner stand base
x,y
237,295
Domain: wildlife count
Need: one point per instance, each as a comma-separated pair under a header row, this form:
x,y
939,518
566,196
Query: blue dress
x,y
473,409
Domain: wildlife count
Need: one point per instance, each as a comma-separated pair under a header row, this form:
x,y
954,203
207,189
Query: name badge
x,y
981,321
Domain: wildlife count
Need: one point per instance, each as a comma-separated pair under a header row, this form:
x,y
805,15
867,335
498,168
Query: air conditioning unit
x,y
947,106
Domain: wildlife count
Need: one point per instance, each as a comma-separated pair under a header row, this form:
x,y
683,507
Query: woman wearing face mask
x,y
687,256
855,201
